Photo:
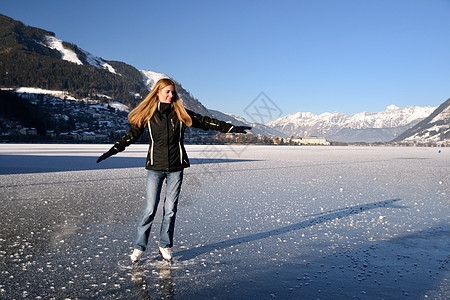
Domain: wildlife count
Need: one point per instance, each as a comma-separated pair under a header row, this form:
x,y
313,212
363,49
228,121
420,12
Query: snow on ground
x,y
254,222
32,90
119,106
65,95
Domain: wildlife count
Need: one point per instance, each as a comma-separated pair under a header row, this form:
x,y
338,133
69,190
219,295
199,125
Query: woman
x,y
163,113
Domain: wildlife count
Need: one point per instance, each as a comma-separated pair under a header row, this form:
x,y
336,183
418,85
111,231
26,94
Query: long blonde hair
x,y
140,115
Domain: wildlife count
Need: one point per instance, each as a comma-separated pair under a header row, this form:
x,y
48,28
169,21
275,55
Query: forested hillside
x,y
26,61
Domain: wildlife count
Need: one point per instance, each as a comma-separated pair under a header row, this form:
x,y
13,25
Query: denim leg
x,y
173,188
155,181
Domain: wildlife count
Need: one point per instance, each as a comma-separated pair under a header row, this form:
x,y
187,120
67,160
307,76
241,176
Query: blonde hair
x,y
140,115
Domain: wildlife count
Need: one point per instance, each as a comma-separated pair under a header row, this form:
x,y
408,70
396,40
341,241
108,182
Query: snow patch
x,y
444,115
71,56
119,106
66,54
32,90
151,78
98,62
65,95
104,96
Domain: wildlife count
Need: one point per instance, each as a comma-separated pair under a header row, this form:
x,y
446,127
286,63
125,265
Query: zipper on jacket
x,y
153,142
168,140
179,143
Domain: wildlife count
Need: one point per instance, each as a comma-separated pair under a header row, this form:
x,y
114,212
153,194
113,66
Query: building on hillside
x,y
28,131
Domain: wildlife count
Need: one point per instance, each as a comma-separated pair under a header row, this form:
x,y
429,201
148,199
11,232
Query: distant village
x,y
91,121
94,121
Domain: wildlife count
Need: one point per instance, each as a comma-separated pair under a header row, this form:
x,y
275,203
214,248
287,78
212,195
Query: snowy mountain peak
x,y
150,78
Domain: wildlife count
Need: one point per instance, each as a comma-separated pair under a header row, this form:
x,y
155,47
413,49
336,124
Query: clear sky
x,y
316,56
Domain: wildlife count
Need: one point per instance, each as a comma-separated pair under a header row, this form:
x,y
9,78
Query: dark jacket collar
x,y
165,108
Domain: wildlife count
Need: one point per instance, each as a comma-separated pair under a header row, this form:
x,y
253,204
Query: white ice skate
x,y
165,253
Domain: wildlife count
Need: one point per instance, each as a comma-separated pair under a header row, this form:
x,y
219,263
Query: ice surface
x,y
257,222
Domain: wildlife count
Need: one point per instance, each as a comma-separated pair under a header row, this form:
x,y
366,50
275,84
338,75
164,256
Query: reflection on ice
x,y
144,290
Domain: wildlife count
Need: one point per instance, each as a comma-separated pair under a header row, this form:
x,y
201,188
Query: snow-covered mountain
x,y
78,56
361,127
435,129
35,58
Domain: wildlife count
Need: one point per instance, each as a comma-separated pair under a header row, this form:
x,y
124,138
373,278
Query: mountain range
x,y
361,127
33,57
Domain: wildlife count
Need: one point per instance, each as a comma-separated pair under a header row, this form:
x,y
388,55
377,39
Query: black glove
x,y
240,129
110,152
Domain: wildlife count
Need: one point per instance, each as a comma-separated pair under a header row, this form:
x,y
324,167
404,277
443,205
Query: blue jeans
x,y
155,180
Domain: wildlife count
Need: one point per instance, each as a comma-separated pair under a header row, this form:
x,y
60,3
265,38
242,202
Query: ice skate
x,y
136,255
165,253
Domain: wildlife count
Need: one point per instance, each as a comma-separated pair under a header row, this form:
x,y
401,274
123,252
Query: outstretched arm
x,y
129,138
207,123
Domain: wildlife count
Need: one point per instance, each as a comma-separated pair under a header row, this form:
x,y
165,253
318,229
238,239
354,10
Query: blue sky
x,y
317,56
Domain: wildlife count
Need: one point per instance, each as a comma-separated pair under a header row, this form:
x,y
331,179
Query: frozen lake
x,y
254,222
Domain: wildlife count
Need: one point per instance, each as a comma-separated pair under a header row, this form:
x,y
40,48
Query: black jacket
x,y
166,134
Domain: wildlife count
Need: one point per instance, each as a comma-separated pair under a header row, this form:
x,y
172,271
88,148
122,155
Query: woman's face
x,y
167,94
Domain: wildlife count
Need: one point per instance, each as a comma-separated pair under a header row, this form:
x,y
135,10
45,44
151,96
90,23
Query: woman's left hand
x,y
240,129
